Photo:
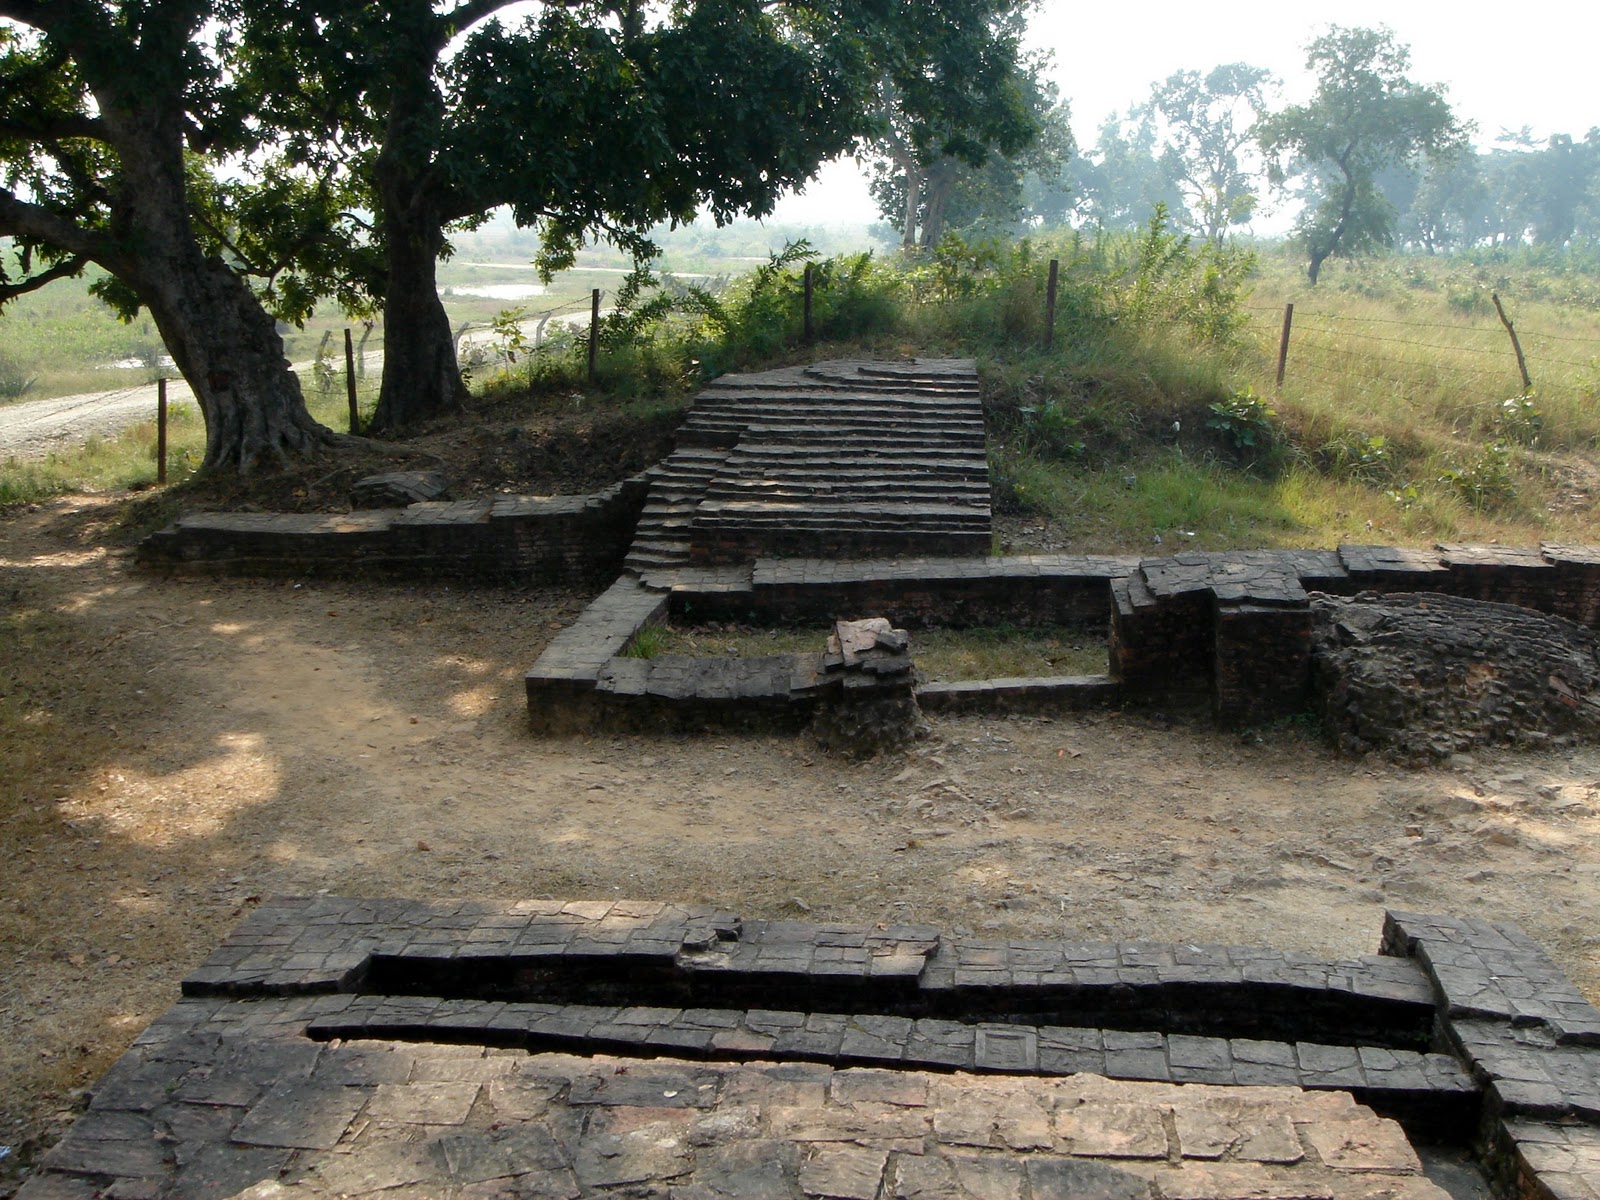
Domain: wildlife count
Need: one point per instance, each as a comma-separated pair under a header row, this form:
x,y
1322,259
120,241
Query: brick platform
x,y
338,1046
1230,629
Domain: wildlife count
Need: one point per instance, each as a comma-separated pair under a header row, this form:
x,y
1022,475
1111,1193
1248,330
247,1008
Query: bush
x,y
1245,421
15,383
1486,481
1365,458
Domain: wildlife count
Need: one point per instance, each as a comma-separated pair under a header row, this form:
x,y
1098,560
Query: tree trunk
x,y
224,342
228,350
936,202
421,377
908,236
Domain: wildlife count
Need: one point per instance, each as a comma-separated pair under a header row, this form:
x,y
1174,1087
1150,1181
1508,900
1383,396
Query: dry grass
x,y
1401,419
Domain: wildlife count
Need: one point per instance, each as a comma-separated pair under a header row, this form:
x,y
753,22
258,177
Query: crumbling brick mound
x,y
867,700
1420,676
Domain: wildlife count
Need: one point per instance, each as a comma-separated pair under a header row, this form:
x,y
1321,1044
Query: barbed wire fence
x,y
1491,355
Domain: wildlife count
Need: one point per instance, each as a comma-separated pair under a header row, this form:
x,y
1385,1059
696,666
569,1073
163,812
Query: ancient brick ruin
x,y
854,490
358,1047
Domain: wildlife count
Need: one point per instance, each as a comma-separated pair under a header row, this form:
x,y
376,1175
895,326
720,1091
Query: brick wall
x,y
512,539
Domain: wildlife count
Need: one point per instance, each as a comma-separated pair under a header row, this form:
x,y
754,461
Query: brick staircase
x,y
837,460
677,486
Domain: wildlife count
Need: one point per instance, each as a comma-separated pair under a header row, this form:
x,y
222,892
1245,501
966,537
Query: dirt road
x,y
180,749
35,428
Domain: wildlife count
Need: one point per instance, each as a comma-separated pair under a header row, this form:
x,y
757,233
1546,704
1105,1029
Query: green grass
x,y
127,460
1395,399
954,655
942,655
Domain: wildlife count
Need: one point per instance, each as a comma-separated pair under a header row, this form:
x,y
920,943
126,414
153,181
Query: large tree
x,y
592,117
1209,120
928,196
589,117
1127,174
1554,190
1366,117
105,112
959,126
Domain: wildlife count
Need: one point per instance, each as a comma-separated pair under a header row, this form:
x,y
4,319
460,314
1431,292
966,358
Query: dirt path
x,y
34,428
179,749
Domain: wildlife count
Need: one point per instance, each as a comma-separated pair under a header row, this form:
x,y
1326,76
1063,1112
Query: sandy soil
x,y
187,747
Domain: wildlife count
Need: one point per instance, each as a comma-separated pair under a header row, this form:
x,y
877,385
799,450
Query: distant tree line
x,y
1374,159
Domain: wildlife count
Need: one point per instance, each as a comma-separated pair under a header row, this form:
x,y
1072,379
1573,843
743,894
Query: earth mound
x,y
1423,675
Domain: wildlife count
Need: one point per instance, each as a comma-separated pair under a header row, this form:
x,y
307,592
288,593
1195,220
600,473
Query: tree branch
x,y
19,218
51,14
64,269
53,127
470,12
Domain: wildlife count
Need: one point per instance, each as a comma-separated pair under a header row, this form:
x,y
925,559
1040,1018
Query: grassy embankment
x,y
1401,417
1154,423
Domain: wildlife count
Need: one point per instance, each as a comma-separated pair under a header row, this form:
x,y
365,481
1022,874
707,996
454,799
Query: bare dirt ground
x,y
177,750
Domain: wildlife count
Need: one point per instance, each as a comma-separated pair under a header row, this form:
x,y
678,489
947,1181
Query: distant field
x,y
62,341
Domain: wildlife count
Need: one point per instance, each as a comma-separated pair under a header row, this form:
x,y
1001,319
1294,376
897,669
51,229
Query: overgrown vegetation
x,y
1154,420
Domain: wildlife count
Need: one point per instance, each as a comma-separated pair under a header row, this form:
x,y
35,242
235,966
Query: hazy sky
x,y
1504,66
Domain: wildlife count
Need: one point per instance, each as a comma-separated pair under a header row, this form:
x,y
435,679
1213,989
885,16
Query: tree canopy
x,y
1209,120
109,114
1365,117
983,189
592,117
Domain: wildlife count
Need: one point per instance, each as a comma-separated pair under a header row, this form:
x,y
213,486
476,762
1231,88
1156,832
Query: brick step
x,y
755,392
810,484
660,519
820,456
681,475
654,560
846,522
816,483
929,483
656,530
933,410
822,460
694,460
934,406
899,430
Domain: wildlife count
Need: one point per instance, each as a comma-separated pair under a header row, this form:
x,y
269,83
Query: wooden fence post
x,y
594,332
809,332
1283,341
1050,303
1522,363
361,348
161,430
350,381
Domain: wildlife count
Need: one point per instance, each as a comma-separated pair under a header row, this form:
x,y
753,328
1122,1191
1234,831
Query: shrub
x,y
1519,420
1365,458
15,383
1486,480
1245,421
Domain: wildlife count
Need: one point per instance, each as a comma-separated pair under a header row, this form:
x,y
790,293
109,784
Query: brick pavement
x,y
337,1046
